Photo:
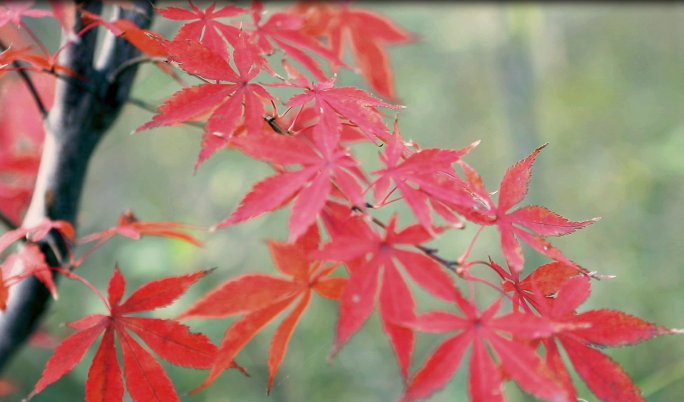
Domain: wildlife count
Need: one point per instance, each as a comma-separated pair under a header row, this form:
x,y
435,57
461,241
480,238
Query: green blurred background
x,y
603,84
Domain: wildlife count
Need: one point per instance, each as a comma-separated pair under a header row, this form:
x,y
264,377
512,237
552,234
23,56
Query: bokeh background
x,y
602,83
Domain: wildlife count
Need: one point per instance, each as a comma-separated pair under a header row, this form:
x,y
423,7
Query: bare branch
x,y
131,62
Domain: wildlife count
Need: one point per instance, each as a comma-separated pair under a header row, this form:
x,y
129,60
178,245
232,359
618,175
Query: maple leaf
x,y
305,120
283,29
90,20
129,226
206,29
430,169
226,100
590,330
12,11
38,62
353,104
262,297
147,42
37,232
546,279
145,378
480,329
30,260
367,33
65,13
395,299
539,220
311,185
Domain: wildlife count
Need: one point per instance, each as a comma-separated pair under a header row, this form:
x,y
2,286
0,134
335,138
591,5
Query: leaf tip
x,y
333,352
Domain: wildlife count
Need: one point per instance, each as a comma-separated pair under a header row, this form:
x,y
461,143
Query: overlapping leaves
x,y
313,168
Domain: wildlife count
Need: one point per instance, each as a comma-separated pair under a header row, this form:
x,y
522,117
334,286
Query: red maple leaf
x,y
147,42
29,260
365,32
65,13
333,105
146,380
306,119
37,232
312,185
262,297
38,62
12,11
395,299
430,170
545,279
590,330
480,329
284,29
537,219
206,29
129,226
224,100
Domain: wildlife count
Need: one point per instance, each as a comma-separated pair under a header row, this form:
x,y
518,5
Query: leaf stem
x,y
470,246
70,275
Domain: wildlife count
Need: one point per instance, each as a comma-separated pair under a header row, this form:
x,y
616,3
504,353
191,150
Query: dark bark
x,y
82,112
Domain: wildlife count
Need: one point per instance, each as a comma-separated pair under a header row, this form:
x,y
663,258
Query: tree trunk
x,y
83,110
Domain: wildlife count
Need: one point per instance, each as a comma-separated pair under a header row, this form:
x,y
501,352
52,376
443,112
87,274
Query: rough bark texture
x,y
82,112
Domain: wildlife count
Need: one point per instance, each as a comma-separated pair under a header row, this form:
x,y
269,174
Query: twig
x,y
132,62
430,252
146,106
29,84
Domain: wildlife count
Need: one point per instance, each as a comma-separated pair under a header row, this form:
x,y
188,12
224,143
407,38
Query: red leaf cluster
x,y
308,147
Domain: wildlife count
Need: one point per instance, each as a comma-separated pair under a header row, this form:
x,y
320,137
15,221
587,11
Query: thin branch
x,y
132,62
430,252
24,75
150,108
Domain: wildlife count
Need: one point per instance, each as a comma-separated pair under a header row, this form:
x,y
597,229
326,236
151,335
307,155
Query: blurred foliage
x,y
601,83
